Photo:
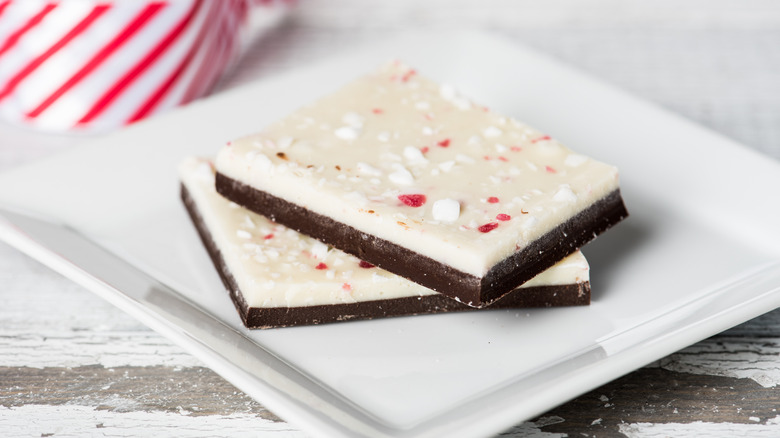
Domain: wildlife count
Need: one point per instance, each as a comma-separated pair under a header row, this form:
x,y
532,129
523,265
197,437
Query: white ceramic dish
x,y
699,253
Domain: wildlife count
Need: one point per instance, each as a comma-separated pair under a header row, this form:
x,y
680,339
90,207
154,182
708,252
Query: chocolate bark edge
x,y
574,294
500,279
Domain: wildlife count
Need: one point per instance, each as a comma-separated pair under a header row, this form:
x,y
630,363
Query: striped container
x,y
89,65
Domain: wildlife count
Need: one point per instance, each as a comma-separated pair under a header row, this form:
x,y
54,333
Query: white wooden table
x,y
73,365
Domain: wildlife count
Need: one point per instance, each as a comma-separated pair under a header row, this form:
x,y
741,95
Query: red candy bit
x,y
321,266
268,236
415,200
488,227
516,148
425,149
365,265
550,169
503,217
542,138
347,287
444,143
503,158
377,111
408,75
492,200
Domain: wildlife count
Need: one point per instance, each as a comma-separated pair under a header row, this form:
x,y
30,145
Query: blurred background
x,y
716,62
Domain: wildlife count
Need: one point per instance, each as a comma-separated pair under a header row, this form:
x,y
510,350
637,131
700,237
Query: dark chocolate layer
x,y
575,294
477,291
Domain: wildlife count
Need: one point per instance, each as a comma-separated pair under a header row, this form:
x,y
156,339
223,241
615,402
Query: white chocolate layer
x,y
384,151
277,267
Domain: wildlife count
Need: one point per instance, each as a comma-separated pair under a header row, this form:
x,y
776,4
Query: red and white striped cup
x,y
91,65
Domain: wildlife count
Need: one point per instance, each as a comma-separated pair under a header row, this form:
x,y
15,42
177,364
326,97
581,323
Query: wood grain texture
x,y
73,365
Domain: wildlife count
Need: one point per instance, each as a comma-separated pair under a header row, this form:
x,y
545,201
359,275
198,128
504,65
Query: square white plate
x,y
699,254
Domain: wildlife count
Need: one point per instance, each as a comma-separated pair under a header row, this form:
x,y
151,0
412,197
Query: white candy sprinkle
x,y
532,166
383,136
376,278
414,155
352,119
330,275
284,142
501,148
464,159
575,160
347,133
319,250
446,210
270,252
447,91
262,163
427,130
492,131
446,166
530,222
368,169
243,234
401,177
475,140
565,194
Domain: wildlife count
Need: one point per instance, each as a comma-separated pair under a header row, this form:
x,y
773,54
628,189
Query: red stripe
x,y
134,73
135,25
35,63
32,22
3,6
211,62
154,99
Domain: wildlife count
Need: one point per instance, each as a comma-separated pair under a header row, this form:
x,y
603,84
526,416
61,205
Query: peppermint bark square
x,y
411,176
278,277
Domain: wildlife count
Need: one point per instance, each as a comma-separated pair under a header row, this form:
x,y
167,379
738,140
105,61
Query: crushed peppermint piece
x,y
446,166
377,110
550,169
475,140
461,158
319,250
414,155
365,265
268,236
574,160
515,148
243,234
413,200
500,148
401,176
446,210
347,132
383,136
321,266
284,142
503,217
488,227
542,138
353,119
492,132
368,169
565,194
444,143
427,130
492,200
346,286
422,106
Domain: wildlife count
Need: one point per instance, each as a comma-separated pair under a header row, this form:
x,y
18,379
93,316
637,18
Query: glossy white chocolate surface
x,y
277,267
403,158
